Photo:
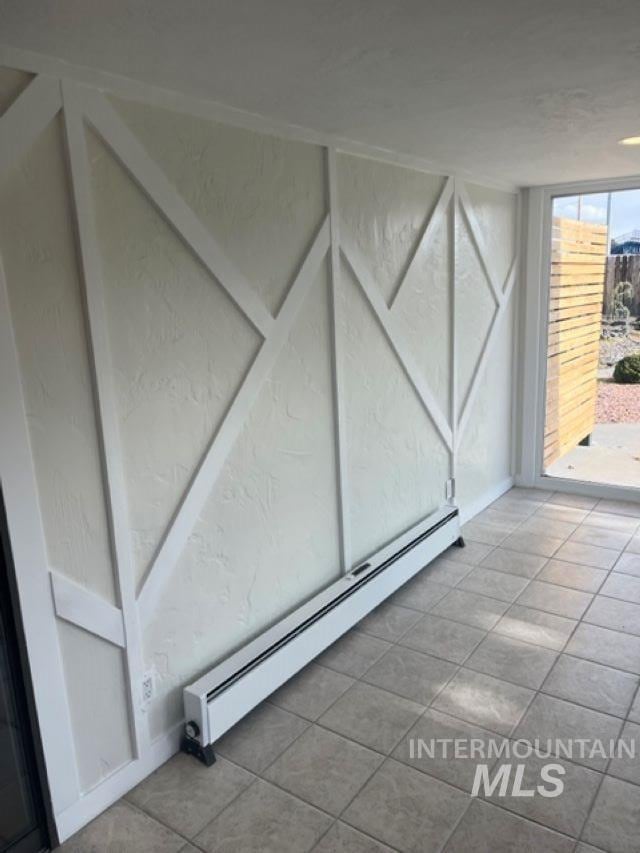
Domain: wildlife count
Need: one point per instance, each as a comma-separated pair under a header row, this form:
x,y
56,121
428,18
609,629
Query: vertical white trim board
x,y
337,363
106,409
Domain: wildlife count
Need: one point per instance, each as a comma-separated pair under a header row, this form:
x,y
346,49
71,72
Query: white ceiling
x,y
523,91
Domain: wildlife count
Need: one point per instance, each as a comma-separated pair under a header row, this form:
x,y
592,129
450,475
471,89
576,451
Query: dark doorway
x,y
23,818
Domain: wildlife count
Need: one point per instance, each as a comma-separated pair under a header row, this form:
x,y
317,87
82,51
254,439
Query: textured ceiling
x,y
523,92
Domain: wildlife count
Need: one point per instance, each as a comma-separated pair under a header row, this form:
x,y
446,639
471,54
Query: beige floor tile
x,y
611,521
514,562
487,533
634,545
574,501
324,769
574,514
372,717
260,737
614,823
614,613
424,748
634,712
389,621
587,555
612,648
185,795
498,585
264,819
624,587
558,600
512,660
446,572
592,684
628,564
470,555
344,839
443,638
564,813
407,809
600,536
487,829
486,701
421,593
122,828
312,691
533,543
354,653
630,508
411,674
551,718
584,578
623,766
547,526
535,626
470,609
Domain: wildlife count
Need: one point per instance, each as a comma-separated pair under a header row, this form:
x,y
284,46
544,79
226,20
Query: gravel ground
x,y
613,349
617,403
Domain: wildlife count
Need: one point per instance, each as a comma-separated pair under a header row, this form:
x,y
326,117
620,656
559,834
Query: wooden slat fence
x,y
578,267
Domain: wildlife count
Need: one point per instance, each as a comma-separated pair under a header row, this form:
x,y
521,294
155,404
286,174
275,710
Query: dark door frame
x,y
23,688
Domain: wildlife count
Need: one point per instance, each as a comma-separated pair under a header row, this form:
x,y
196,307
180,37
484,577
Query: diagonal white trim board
x,y
106,405
339,394
26,118
214,458
150,177
87,610
386,319
478,241
481,364
428,232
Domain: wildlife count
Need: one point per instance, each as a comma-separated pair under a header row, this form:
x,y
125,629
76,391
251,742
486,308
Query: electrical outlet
x,y
147,687
450,489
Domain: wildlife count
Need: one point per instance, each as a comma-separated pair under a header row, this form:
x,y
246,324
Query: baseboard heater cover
x,y
225,694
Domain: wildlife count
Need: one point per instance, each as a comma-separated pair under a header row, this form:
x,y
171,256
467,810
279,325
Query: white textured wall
x,y
268,534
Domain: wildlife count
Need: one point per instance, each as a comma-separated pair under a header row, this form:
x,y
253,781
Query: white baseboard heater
x,y
219,699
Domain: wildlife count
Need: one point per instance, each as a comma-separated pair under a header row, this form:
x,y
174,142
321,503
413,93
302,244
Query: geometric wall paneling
x,y
495,216
174,378
260,196
39,254
12,84
96,681
397,461
242,583
483,459
475,305
211,321
423,302
359,267
223,441
76,604
501,289
386,210
26,118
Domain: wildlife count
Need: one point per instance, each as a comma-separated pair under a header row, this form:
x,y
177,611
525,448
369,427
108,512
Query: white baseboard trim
x,y
94,802
472,508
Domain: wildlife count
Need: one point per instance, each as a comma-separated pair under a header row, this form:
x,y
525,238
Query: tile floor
x,y
532,630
